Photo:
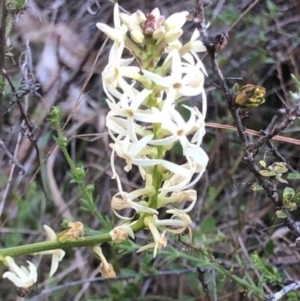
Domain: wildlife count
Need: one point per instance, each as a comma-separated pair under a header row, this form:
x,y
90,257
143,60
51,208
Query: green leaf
x,y
270,246
288,194
294,176
280,214
267,173
273,10
297,198
279,167
208,225
262,163
256,187
281,180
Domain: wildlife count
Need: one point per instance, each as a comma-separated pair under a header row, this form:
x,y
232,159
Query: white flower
x,y
57,254
129,108
132,153
197,156
136,154
180,220
176,84
177,129
123,200
117,68
194,45
178,182
118,126
176,197
160,240
20,276
199,126
121,233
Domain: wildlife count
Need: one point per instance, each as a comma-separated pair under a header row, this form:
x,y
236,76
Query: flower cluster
x,y
149,72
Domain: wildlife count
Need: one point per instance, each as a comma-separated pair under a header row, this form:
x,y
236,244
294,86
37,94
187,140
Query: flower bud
x,y
176,20
137,36
158,33
140,16
172,35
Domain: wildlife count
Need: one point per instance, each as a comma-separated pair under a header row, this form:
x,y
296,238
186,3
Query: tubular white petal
x,y
141,208
51,234
162,81
117,21
112,33
164,141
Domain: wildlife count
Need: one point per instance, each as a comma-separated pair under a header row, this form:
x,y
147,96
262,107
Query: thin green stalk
x,y
51,245
61,140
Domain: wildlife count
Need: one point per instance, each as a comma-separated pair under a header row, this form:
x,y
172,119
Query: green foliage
x,y
28,208
15,5
273,9
294,176
2,85
277,169
268,273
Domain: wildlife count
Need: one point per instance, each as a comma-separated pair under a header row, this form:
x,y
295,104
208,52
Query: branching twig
x,y
288,120
201,277
278,155
249,149
295,285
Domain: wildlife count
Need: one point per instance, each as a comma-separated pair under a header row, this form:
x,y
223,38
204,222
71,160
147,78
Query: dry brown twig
x,y
251,149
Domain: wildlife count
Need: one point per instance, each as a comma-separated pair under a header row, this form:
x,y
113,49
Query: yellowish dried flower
x,y
121,233
106,269
76,230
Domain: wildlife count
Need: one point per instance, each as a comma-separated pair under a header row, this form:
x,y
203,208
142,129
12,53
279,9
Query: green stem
x,y
52,245
71,163
82,186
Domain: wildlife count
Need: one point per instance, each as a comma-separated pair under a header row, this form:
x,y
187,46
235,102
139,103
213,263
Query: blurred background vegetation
x,y
242,248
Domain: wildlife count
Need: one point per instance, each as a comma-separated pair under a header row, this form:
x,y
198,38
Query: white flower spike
x,y
145,122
